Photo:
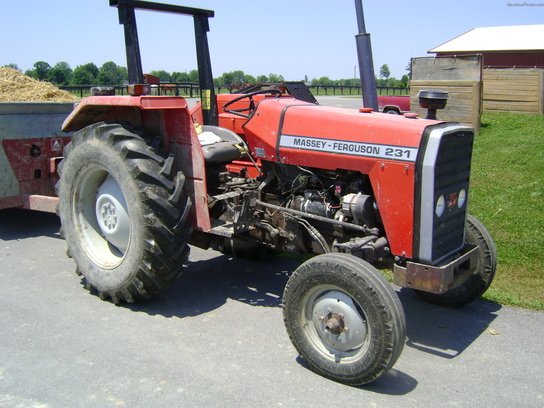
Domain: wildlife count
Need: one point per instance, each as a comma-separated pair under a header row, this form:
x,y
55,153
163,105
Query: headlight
x,y
440,206
462,198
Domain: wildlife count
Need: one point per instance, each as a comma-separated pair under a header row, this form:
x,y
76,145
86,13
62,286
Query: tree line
x,y
61,74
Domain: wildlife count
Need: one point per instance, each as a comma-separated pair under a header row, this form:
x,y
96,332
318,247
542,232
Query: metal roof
x,y
509,38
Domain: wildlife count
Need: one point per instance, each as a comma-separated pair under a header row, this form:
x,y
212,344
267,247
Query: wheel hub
x,y
338,322
334,323
112,215
108,216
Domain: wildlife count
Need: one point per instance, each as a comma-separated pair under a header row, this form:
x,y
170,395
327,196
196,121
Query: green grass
x,y
508,197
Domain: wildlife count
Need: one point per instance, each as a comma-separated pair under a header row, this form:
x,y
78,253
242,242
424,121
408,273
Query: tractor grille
x,y
445,172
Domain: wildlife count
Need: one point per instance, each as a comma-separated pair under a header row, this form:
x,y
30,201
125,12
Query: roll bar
x,y
127,17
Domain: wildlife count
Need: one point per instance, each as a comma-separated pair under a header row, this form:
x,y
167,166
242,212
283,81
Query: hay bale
x,y
16,87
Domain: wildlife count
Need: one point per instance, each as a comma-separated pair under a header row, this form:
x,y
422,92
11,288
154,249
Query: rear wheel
x,y
344,318
123,213
475,286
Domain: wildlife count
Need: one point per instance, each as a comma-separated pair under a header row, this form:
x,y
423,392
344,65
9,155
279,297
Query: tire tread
x,y
165,209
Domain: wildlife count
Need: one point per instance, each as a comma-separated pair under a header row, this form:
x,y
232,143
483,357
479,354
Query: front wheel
x,y
475,286
344,318
123,212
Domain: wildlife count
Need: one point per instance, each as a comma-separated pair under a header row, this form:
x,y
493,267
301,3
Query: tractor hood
x,y
299,133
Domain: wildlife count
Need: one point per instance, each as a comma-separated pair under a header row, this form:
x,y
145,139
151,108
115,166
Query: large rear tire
x,y
344,318
123,213
475,286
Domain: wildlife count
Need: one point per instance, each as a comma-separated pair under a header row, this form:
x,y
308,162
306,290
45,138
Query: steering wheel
x,y
251,108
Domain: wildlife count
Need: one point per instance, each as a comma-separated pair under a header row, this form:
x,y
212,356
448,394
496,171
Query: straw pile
x,y
16,87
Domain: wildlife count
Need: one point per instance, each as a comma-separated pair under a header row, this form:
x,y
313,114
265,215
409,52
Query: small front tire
x,y
344,318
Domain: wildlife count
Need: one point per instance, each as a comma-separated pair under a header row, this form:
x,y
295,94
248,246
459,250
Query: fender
x,y
166,117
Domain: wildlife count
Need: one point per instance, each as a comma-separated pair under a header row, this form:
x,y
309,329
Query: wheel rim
x,y
335,324
100,216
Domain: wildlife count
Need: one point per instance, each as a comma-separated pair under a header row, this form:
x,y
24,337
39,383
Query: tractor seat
x,y
221,145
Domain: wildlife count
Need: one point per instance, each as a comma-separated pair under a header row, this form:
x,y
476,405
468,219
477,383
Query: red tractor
x,y
145,176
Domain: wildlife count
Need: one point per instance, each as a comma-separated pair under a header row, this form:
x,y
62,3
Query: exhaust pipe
x,y
366,65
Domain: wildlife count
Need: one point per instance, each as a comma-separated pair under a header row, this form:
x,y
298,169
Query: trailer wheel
x,y
344,318
123,213
475,286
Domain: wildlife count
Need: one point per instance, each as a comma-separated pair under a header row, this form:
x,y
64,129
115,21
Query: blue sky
x,y
294,38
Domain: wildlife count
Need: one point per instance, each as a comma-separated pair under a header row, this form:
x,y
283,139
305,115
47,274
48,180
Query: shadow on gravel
x,y
441,331
206,285
395,382
18,223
